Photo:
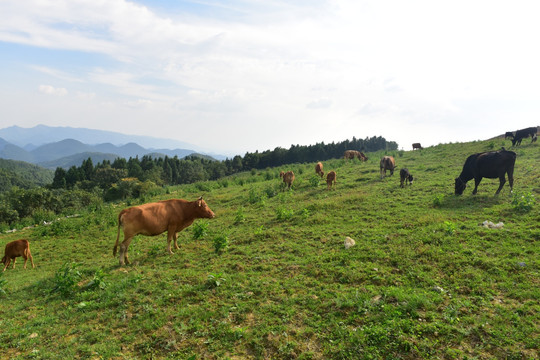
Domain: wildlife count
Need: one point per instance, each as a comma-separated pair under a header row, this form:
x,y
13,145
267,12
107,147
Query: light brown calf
x,y
15,249
331,178
319,169
288,178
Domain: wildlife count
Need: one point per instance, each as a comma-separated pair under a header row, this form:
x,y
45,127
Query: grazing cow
x,y
331,179
405,177
319,169
491,165
155,218
508,134
288,178
351,154
387,163
534,138
522,134
15,249
417,146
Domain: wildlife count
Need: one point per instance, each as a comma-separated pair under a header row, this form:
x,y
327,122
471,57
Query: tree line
x,y
122,178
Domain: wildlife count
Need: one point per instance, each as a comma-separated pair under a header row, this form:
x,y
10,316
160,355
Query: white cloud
x,y
50,90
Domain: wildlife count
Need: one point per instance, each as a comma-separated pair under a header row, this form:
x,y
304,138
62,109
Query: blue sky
x,y
237,76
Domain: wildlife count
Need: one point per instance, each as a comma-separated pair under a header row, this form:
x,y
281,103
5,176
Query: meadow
x,y
270,278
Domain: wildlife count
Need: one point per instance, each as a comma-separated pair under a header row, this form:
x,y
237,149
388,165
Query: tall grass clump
x,y
523,202
200,229
66,279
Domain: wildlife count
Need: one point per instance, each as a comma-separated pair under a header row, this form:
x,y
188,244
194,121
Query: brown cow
x,y
155,218
331,177
15,249
387,163
288,178
417,146
319,169
351,154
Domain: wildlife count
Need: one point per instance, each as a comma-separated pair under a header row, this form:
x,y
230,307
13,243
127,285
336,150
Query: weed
x,y
449,227
214,280
98,282
200,229
283,214
255,198
259,231
523,202
438,200
221,242
240,216
66,279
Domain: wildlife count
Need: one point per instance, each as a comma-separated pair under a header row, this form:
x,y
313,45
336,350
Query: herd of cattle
x,y
175,215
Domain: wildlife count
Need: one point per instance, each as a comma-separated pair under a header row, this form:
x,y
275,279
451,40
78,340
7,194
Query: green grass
x,y
269,278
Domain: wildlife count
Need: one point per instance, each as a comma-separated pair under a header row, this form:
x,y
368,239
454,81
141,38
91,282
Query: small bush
x,y
200,229
214,280
98,282
221,242
449,227
283,214
314,180
255,198
240,216
66,279
203,186
523,202
438,200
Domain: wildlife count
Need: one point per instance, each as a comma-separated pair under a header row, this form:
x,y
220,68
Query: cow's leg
x,y
476,183
123,258
8,260
175,238
170,234
502,180
14,259
25,260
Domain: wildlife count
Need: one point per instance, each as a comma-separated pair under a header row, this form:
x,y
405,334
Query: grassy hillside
x,y
22,174
425,279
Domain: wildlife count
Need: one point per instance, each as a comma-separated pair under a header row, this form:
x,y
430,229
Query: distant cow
x,y
417,146
522,134
387,163
15,249
351,154
319,169
491,165
331,179
155,218
288,178
508,134
405,177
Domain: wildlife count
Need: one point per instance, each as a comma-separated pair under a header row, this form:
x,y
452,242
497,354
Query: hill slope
x,y
23,175
425,279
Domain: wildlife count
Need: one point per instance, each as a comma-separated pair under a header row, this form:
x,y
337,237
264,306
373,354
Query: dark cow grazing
x,y
288,178
491,165
508,134
15,249
417,146
155,218
319,169
522,134
351,154
405,177
534,138
387,163
331,179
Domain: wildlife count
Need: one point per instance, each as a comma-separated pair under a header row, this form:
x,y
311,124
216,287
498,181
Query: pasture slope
x,y
424,281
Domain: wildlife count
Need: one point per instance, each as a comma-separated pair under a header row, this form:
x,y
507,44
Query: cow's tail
x,y
118,233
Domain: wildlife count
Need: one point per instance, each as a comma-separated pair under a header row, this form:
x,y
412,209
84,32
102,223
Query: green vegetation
x,y
23,175
272,278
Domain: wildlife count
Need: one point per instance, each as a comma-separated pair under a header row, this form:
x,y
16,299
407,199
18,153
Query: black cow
x,y
522,134
491,165
508,134
405,176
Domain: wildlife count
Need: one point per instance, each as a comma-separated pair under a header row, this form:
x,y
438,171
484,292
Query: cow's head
x,y
410,179
203,211
460,186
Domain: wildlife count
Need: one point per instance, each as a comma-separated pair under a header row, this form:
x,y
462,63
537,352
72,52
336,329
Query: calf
x,y
331,178
416,146
15,249
387,163
319,169
405,177
288,178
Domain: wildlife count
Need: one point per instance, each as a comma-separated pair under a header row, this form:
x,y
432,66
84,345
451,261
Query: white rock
x,y
349,242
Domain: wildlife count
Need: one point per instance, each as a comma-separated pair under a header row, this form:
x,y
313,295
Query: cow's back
x,y
152,218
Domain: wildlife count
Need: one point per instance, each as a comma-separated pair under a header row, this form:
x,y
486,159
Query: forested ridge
x,y
24,203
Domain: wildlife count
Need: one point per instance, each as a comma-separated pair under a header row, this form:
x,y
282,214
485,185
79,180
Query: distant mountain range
x,y
53,147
